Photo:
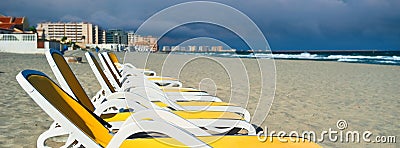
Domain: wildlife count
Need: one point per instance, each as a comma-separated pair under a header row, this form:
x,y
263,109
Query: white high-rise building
x,y
82,32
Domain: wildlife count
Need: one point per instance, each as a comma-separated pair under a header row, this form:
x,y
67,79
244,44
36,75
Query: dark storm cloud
x,y
287,24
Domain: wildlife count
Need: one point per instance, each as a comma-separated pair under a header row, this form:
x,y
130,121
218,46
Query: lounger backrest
x,y
65,75
113,58
103,79
110,62
69,108
106,65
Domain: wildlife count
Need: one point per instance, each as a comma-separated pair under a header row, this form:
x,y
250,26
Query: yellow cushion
x,y
220,141
196,103
184,114
161,78
178,89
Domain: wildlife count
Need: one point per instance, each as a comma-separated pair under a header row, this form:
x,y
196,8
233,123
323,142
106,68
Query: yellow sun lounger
x,y
215,122
107,86
127,66
71,85
162,100
112,60
120,83
133,82
203,110
87,130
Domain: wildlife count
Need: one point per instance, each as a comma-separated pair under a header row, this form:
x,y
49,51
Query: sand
x,y
310,95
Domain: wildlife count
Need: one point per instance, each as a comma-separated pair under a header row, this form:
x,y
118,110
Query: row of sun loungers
x,y
136,108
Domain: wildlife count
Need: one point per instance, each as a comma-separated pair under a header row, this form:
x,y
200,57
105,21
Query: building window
x,y
28,38
8,38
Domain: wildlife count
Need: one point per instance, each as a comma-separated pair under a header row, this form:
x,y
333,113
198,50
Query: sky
x,y
286,24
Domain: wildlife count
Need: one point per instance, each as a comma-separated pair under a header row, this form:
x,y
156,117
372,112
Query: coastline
x,y
310,95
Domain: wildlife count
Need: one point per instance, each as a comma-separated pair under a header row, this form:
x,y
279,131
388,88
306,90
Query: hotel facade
x,y
81,32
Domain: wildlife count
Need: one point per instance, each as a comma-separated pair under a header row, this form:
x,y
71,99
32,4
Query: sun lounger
x,y
88,130
121,84
161,99
126,66
71,85
212,121
151,90
68,81
112,60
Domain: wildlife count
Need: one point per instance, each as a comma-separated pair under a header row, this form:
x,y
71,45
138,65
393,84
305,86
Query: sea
x,y
366,57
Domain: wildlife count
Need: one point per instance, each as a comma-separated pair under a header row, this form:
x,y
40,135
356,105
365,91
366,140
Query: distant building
x,y
15,37
217,48
192,48
103,36
131,38
175,48
143,43
98,35
9,24
166,49
182,48
204,48
25,43
116,36
80,33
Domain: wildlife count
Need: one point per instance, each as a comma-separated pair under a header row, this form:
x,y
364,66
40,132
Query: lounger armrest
x,y
132,71
144,72
155,126
154,94
164,115
171,83
233,109
119,104
228,123
130,82
128,65
130,96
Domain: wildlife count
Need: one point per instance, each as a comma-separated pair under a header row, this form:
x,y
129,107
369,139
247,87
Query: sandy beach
x,y
310,95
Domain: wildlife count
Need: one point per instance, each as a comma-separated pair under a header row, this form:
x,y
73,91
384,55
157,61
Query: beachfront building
x,y
131,38
142,43
193,48
25,43
166,49
116,36
217,48
98,35
79,32
9,24
117,39
204,48
15,37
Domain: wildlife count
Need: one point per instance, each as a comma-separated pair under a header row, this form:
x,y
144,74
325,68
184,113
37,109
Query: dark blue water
x,y
380,57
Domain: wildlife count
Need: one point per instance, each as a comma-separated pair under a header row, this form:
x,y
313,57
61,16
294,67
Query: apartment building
x,y
142,43
78,32
116,36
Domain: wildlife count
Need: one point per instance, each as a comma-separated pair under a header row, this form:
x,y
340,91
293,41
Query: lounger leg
x,y
53,131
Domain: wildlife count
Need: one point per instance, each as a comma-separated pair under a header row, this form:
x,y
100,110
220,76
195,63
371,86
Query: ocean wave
x,y
351,57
